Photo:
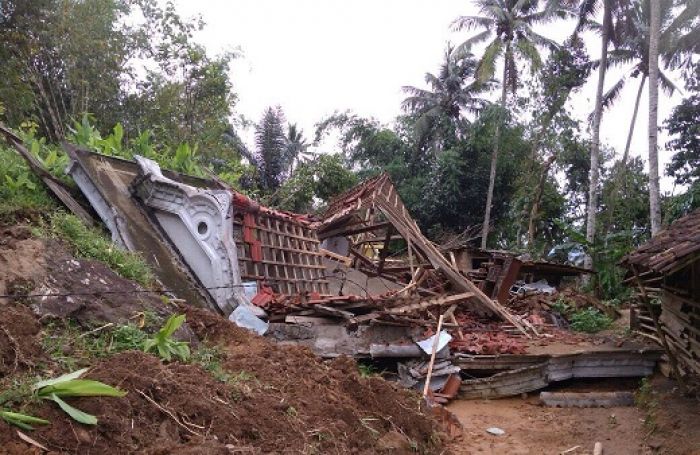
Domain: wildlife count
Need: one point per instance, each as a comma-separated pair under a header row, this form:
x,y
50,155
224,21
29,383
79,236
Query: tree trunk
x,y
620,179
654,192
494,156
595,143
536,200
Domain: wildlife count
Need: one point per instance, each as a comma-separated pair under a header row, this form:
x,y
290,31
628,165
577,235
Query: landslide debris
x,y
241,393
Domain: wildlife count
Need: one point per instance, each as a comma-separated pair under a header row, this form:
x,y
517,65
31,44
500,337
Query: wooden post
x,y
432,356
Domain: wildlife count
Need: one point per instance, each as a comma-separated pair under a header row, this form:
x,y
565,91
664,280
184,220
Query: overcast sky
x,y
314,57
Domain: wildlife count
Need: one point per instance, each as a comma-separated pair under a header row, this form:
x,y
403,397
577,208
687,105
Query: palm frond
x,y
464,49
529,52
487,65
613,93
667,84
470,23
587,9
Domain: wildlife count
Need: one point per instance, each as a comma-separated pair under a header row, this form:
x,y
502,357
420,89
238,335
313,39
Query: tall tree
x,y
589,8
508,24
438,110
684,126
634,48
297,147
566,70
271,154
654,191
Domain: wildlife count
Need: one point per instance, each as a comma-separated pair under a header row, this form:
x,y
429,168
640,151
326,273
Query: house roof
x,y
671,249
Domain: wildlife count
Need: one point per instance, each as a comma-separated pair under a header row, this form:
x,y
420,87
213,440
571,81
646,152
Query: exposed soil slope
x,y
258,397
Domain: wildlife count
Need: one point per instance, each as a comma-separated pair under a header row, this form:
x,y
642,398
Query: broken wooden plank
x,y
55,185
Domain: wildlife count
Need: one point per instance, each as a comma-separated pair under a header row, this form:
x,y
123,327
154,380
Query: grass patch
x,y
71,348
91,243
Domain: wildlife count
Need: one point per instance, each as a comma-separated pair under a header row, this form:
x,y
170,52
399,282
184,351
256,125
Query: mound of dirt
x,y
258,397
279,399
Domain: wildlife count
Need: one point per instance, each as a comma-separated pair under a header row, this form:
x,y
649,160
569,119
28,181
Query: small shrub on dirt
x,y
71,348
90,243
645,400
163,343
69,385
590,320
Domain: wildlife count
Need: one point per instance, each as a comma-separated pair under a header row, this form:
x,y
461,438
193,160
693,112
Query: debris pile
x,y
359,280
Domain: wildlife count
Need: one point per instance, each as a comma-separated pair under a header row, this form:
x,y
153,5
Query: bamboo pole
x,y
432,356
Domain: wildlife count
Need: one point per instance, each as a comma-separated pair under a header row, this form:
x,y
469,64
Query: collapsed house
x,y
666,270
359,280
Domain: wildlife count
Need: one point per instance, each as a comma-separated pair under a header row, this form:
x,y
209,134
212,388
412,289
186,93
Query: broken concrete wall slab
x,y
105,182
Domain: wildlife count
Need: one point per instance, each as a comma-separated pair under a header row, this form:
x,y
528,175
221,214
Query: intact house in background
x,y
666,270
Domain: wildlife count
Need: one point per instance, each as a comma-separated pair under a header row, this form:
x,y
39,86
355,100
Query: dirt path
x,y
533,429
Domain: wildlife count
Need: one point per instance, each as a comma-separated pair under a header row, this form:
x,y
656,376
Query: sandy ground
x,y
534,429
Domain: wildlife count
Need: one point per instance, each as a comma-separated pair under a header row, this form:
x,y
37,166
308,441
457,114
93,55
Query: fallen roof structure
x,y
373,212
667,268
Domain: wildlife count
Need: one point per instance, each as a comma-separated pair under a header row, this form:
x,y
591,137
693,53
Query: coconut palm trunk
x,y
595,142
654,192
494,156
625,156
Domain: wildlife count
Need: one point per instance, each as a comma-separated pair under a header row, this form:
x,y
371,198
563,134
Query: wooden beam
x,y
55,185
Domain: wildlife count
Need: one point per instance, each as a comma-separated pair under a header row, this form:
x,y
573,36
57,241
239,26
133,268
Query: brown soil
x,y
534,429
276,399
330,398
20,348
672,420
284,400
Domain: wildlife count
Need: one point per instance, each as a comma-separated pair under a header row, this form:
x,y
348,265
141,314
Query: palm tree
x,y
297,147
634,47
611,9
686,19
438,110
508,24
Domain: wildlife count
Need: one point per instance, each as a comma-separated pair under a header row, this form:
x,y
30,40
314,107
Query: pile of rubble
x,y
360,279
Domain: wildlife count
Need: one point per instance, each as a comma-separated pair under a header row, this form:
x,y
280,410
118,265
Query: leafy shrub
x,y
589,320
20,189
69,385
163,343
90,243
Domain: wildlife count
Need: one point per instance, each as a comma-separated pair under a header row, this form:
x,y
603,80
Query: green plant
x,y
23,421
366,370
589,320
562,306
125,338
68,385
164,345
